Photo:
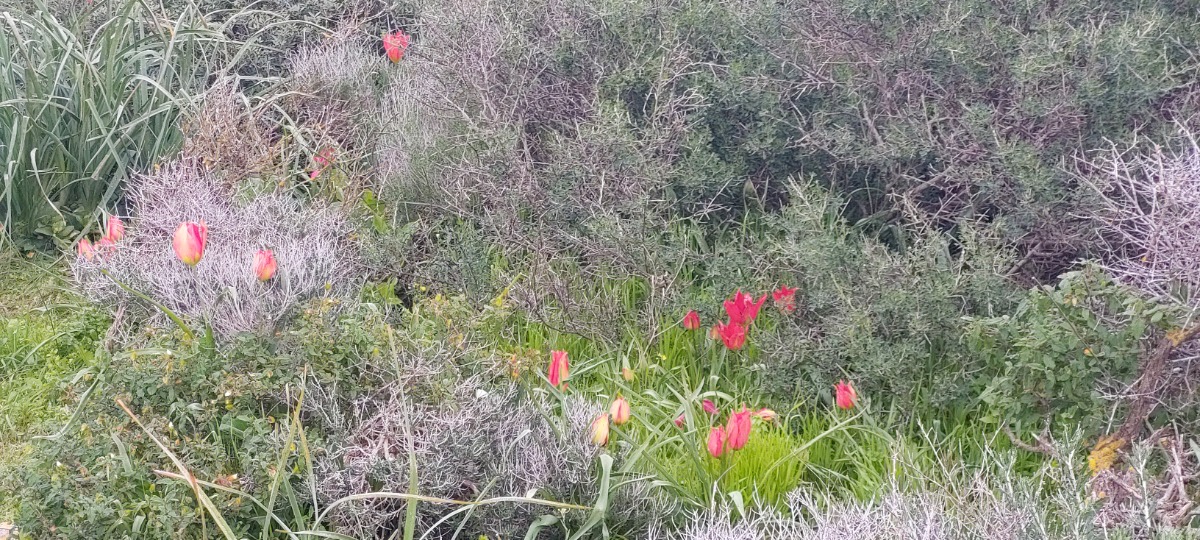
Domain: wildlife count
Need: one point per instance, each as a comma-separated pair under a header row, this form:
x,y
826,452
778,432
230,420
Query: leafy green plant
x,y
1047,360
80,113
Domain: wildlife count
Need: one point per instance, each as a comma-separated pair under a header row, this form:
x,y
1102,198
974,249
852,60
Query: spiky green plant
x,y
82,109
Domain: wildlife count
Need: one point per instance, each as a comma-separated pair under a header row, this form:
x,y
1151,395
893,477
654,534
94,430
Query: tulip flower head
x,y
559,368
709,407
785,299
742,309
619,410
395,44
732,334
737,429
599,430
86,250
844,395
627,374
105,247
679,421
691,321
323,160
189,242
115,229
264,264
766,415
716,441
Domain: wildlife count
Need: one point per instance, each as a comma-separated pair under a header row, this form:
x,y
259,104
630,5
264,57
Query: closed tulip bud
x,y
845,396
559,368
737,430
599,430
691,321
86,250
619,410
115,229
716,442
709,407
264,264
679,421
766,415
189,242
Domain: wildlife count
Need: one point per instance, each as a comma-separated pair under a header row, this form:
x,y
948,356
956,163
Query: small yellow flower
x,y
1104,454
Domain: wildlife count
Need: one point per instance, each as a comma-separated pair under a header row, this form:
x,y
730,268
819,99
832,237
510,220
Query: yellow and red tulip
x,y
395,44
599,430
619,411
189,241
86,250
264,264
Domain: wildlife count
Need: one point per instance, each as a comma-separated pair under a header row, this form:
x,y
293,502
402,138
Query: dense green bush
x,y
1056,356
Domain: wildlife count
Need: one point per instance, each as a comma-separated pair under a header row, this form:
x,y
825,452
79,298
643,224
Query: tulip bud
x,y
709,407
716,442
627,374
600,430
737,430
766,415
845,396
679,421
189,242
264,264
559,367
86,250
116,229
619,410
691,321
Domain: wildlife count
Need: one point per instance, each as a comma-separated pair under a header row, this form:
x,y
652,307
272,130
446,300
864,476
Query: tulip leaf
x,y
538,524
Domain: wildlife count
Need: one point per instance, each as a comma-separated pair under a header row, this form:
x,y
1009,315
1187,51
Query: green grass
x,y
48,337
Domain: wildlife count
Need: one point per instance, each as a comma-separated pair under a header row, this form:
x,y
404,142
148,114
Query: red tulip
x,y
86,250
599,430
716,442
619,410
742,309
679,421
395,44
733,334
737,430
559,367
691,321
785,299
323,160
264,264
709,407
116,229
846,397
189,242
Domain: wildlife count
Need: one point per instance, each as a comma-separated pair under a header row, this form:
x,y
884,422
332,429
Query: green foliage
x,y
1051,358
79,113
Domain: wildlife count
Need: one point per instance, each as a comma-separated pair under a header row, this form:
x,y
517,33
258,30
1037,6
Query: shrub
x,y
310,242
1064,353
